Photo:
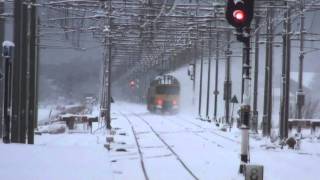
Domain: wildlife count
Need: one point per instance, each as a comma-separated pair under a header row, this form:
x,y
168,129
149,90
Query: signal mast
x,y
239,14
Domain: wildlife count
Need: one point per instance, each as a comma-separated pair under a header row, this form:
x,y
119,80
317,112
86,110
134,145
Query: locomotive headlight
x,y
174,102
159,103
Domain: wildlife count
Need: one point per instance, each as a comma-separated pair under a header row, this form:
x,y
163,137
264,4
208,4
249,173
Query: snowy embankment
x,y
63,157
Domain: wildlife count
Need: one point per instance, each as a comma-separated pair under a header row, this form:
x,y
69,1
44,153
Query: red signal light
x,y
132,83
159,102
174,102
239,15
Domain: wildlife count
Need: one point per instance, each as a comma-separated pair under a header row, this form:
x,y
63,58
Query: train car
x,y
164,95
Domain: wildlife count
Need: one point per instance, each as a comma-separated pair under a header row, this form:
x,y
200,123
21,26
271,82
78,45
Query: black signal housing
x,y
239,13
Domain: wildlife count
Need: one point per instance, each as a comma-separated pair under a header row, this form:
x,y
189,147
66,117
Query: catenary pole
x,y
270,74
32,73
16,73
266,79
194,67
284,106
109,65
2,64
227,83
28,67
23,75
200,81
209,74
216,92
287,73
254,124
300,93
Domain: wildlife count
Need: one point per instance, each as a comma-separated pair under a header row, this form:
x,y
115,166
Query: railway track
x,y
210,131
168,147
196,133
201,129
139,147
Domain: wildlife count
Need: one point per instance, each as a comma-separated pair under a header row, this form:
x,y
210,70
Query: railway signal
x,y
132,84
239,13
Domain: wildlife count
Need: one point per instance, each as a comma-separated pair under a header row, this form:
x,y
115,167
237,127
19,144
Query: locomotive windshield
x,y
170,90
164,95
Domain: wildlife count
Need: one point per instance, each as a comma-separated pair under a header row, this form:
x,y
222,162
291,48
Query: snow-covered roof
x,y
8,43
77,115
73,105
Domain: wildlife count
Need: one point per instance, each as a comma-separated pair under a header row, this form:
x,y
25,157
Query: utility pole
x,y
16,76
266,71
23,70
162,59
227,82
28,73
194,65
201,74
35,96
103,84
2,36
209,74
108,120
194,72
267,106
254,124
284,107
300,94
287,72
32,72
283,75
105,106
270,78
164,55
216,92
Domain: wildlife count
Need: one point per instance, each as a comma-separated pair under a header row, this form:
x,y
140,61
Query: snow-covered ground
x,y
148,146
64,156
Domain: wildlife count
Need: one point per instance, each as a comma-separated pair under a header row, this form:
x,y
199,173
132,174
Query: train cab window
x,y
167,90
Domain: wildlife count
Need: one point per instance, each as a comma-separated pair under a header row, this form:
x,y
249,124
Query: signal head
x,y
132,84
239,13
